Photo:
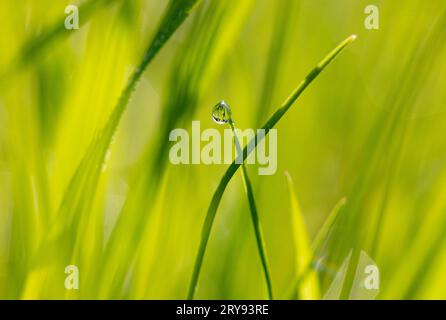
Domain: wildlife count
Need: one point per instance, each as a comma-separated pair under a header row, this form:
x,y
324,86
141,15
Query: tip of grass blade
x,y
336,51
347,41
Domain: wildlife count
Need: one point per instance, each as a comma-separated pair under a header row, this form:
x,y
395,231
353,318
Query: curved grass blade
x,y
212,210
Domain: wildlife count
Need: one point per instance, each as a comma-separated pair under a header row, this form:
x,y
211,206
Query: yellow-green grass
x,y
85,177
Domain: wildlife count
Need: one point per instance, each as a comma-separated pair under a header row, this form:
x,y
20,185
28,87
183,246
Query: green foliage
x,y
85,177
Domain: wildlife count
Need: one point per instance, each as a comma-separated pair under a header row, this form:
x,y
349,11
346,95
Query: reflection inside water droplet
x,y
221,113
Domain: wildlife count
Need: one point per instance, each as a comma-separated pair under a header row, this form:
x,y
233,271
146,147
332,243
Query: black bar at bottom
x,y
218,309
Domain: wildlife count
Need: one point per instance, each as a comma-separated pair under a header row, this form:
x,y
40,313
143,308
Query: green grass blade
x,y
212,210
261,247
316,247
258,231
308,288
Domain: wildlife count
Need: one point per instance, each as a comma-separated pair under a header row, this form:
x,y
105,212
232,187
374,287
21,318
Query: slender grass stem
x,y
254,216
212,210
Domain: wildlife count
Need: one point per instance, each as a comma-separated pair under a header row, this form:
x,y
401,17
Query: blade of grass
x,y
308,287
212,210
316,247
258,231
261,247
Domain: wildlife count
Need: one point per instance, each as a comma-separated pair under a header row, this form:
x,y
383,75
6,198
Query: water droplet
x,y
221,113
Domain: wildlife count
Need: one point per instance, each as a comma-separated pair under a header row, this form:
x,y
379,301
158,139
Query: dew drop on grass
x,y
221,113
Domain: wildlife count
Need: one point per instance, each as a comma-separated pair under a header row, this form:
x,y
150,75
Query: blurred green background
x,y
371,129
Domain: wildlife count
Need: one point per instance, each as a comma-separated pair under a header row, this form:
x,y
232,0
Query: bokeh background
x,y
370,130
